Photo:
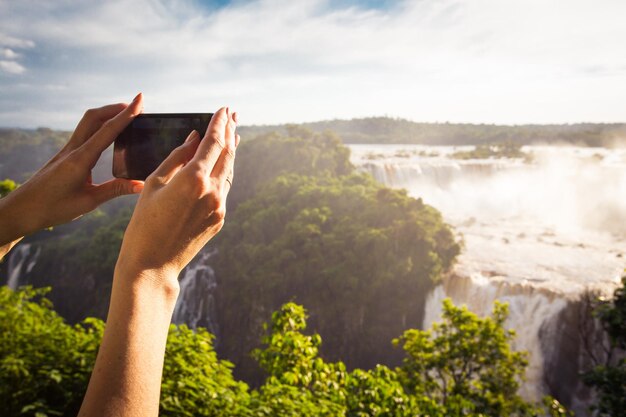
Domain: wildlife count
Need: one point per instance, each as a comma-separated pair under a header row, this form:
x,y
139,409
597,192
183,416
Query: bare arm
x,y
181,208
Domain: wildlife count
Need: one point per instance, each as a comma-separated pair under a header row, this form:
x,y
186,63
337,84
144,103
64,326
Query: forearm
x,y
11,230
126,378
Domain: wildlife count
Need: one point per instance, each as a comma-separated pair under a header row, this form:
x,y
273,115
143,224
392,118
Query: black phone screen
x,y
150,138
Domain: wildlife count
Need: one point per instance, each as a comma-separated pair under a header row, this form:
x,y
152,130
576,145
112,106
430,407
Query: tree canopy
x,y
343,246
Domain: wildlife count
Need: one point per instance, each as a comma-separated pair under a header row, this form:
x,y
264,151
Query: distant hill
x,y
23,151
400,131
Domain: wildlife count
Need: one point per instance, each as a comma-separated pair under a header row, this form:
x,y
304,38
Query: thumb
x,y
178,158
116,188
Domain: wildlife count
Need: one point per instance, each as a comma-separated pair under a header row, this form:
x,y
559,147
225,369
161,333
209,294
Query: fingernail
x,y
137,188
236,117
136,99
228,112
192,136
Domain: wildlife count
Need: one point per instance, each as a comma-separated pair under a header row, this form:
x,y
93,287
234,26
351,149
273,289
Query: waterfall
x,y
536,236
196,303
21,262
531,312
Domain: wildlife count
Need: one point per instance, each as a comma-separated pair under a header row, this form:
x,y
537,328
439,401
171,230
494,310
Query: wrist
x,y
158,281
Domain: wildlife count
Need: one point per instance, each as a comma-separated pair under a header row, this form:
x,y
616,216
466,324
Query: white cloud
x,y
9,64
503,61
12,42
8,53
11,67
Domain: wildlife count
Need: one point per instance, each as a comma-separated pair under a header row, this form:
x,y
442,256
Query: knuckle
x,y
108,125
152,181
75,159
90,114
230,152
218,139
119,189
219,214
196,187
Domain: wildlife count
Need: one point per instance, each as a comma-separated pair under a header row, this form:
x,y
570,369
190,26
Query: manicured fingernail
x,y
137,97
192,136
236,117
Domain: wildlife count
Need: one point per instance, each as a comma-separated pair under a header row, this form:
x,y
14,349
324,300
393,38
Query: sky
x,y
476,61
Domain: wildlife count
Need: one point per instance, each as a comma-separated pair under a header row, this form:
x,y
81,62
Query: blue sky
x,y
481,61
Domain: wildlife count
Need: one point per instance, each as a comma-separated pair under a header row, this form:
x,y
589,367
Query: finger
x,y
237,140
92,121
115,188
224,167
178,158
214,140
111,128
228,182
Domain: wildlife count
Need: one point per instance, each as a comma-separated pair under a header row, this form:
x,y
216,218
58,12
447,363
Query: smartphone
x,y
150,138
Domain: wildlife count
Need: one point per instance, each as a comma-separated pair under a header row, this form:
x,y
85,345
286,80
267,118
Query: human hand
x,y
183,203
63,190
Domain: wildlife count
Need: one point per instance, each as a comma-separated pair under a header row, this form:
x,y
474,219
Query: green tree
x,y
298,383
465,363
44,363
195,381
45,366
609,378
343,246
379,393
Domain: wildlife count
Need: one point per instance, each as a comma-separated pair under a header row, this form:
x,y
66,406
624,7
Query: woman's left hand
x,y
63,189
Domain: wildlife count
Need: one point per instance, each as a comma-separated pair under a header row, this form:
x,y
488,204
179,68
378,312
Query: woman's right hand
x,y
182,205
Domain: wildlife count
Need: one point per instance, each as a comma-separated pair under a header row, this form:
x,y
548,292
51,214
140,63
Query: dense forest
x,y
303,230
388,130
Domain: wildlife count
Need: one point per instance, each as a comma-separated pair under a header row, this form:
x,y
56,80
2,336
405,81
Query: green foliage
x,y
609,379
6,186
44,363
465,363
291,362
195,381
341,246
45,366
379,393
